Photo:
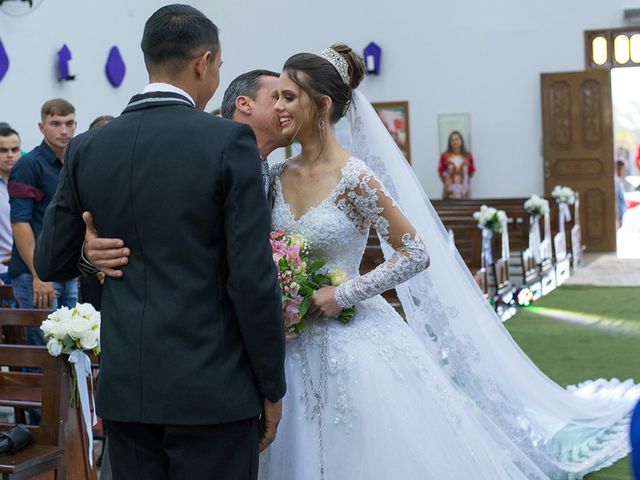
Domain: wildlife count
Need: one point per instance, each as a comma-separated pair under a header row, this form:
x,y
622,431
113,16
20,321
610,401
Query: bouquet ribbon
x,y
82,365
534,236
565,214
487,235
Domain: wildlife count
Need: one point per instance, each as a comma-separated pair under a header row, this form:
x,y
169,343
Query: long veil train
x,y
565,432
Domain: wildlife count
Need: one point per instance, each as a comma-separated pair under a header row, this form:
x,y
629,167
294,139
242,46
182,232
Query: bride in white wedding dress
x,y
447,395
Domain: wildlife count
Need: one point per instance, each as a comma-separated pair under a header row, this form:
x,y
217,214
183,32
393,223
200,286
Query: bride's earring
x,y
321,123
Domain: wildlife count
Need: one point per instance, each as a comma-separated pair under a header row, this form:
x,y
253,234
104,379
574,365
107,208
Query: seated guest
x,y
9,154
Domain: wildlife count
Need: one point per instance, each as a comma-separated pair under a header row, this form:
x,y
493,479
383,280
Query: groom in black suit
x,y
192,334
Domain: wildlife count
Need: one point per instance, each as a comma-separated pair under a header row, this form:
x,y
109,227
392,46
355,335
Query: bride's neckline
x,y
331,195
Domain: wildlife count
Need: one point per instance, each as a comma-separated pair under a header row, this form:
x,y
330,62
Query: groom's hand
x,y
106,254
269,422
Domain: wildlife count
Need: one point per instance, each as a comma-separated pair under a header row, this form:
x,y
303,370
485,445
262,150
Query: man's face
x,y
58,130
9,152
264,117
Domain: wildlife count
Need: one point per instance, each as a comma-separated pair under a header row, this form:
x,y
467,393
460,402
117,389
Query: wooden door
x,y
578,149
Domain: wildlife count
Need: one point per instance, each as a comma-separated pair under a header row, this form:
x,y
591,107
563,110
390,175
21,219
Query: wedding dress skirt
x,y
365,401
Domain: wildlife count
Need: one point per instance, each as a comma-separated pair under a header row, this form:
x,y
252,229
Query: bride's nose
x,y
278,106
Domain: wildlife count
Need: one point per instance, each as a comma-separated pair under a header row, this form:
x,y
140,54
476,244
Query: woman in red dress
x,y
456,168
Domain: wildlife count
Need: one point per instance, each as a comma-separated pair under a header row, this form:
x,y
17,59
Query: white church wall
x,y
461,56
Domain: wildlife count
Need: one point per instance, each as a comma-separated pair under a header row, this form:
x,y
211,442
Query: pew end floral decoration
x,y
73,332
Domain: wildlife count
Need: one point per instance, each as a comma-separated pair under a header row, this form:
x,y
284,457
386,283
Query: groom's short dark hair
x,y
246,84
175,34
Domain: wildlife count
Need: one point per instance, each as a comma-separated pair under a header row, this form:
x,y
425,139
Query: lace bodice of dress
x,y
337,230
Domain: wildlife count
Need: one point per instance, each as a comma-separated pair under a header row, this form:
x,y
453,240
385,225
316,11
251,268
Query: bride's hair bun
x,y
355,62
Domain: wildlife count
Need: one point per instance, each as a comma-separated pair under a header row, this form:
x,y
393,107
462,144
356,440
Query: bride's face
x,y
294,108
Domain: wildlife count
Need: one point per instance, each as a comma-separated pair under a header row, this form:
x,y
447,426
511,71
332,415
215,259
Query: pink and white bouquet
x,y
299,280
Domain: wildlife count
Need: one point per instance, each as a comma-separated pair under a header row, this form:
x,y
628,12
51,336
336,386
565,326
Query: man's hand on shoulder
x,y
105,254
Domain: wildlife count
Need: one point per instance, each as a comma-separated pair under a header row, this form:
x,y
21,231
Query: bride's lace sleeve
x,y
367,202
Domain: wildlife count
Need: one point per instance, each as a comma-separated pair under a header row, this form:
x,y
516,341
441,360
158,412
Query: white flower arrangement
x,y
490,218
536,206
72,331
564,194
67,329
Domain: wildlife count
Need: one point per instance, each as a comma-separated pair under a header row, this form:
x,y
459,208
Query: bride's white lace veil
x,y
566,433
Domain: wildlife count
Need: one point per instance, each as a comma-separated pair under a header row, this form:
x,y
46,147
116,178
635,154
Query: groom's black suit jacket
x,y
192,334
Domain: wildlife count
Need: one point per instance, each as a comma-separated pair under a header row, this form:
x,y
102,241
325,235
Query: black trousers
x,y
227,451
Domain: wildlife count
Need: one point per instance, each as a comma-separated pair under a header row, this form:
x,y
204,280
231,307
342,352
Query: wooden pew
x,y
563,259
71,435
47,390
457,215
531,273
6,294
577,249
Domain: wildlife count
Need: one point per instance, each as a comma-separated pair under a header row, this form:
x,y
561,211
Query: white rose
x,y
63,314
502,216
47,327
338,277
54,347
90,340
86,310
78,327
59,331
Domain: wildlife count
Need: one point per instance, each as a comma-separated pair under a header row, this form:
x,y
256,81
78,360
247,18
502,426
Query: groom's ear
x,y
244,104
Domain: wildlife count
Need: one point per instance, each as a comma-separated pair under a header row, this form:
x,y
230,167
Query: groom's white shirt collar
x,y
167,87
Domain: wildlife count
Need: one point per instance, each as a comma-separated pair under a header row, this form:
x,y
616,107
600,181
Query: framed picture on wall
x,y
395,116
454,122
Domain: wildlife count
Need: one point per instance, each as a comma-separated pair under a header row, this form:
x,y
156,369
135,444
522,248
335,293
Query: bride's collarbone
x,y
304,190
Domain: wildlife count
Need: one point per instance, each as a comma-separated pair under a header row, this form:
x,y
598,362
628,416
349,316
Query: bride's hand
x,y
323,303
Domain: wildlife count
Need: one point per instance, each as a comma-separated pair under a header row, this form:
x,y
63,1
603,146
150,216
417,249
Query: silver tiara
x,y
338,62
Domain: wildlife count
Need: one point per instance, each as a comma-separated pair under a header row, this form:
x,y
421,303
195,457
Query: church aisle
x,y
582,332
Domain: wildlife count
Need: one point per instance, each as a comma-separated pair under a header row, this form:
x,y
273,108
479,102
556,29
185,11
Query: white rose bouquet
x,y
72,332
67,329
564,194
536,206
490,218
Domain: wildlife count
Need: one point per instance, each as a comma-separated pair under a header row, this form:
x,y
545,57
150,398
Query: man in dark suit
x,y
192,334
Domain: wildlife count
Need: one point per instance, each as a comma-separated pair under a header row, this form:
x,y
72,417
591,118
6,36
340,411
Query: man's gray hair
x,y
247,85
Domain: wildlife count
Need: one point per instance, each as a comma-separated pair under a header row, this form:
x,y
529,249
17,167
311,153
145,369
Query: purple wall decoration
x,y
4,61
64,57
115,67
372,56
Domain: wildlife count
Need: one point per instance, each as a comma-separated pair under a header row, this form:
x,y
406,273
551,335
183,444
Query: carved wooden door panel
x,y
578,149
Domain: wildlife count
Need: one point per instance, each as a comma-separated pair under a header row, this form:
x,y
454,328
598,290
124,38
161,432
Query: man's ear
x,y
203,63
244,104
